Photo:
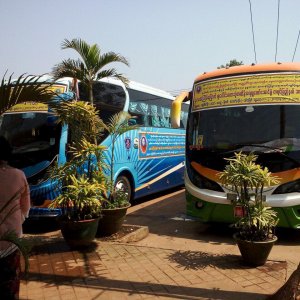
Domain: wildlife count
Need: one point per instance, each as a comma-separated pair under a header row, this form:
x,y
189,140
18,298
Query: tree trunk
x,y
289,290
91,96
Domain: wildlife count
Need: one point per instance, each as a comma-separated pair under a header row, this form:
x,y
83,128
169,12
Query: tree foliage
x,y
82,119
118,124
90,66
232,63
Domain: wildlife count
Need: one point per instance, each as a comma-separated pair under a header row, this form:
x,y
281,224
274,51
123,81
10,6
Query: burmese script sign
x,y
36,106
155,145
247,90
29,106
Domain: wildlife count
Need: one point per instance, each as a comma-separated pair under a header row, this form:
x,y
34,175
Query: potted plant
x,y
256,222
83,188
86,166
80,180
115,207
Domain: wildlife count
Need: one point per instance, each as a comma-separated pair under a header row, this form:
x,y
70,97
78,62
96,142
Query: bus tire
x,y
123,183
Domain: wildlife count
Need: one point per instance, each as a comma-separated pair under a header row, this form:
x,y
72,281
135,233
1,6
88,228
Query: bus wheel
x,y
123,184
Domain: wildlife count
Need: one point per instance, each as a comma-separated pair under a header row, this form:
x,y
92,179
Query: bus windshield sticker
x,y
136,143
127,143
36,106
199,140
29,106
247,90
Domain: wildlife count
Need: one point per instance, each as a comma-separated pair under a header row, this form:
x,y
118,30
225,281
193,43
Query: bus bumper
x,y
37,213
204,211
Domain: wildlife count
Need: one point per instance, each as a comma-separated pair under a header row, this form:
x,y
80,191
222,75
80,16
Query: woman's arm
x,y
25,199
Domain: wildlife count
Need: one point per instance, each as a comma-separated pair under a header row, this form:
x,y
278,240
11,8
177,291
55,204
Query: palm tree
x,y
91,65
24,88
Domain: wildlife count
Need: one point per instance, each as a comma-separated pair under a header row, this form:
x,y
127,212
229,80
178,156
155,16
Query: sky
x,y
167,42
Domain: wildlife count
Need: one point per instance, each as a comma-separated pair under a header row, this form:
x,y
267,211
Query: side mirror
x,y
176,108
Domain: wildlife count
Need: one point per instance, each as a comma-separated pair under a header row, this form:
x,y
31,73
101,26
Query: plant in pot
x,y
83,189
114,207
80,180
256,222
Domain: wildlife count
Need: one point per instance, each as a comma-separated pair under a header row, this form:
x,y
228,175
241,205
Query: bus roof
x,y
139,87
250,69
131,84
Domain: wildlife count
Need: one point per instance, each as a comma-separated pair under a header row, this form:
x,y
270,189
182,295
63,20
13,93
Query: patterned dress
x,y
14,208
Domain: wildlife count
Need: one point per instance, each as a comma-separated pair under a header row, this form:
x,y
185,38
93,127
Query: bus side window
x,y
183,119
155,108
154,116
165,117
139,111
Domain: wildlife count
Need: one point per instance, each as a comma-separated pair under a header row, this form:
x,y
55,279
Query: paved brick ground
x,y
173,262
111,270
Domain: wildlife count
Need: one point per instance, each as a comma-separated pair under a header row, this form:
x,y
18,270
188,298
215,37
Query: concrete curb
x,y
138,234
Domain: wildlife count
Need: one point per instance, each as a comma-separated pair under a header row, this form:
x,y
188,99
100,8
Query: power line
x,y
296,46
277,30
252,32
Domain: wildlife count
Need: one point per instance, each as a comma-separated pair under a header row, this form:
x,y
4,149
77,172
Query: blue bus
x,y
149,159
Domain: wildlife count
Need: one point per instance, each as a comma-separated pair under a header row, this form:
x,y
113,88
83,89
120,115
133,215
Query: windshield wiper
x,y
277,150
258,146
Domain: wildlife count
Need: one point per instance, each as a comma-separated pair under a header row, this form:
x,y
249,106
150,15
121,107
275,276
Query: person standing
x,y
14,208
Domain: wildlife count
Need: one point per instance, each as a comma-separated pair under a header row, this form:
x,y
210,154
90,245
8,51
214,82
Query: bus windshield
x,y
271,131
108,98
34,137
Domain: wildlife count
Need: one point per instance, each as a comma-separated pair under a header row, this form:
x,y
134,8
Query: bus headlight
x,y
203,182
290,187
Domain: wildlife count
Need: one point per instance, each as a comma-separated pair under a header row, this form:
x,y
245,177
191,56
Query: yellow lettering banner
x,y
29,106
36,106
247,90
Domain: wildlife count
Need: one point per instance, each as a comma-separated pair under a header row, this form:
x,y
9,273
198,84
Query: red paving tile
x,y
165,265
128,271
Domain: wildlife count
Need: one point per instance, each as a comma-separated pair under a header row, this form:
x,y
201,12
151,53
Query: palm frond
x,y
111,57
108,58
112,73
92,58
89,54
69,68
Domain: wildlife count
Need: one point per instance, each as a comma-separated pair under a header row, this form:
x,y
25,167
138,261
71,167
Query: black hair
x,y
5,149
